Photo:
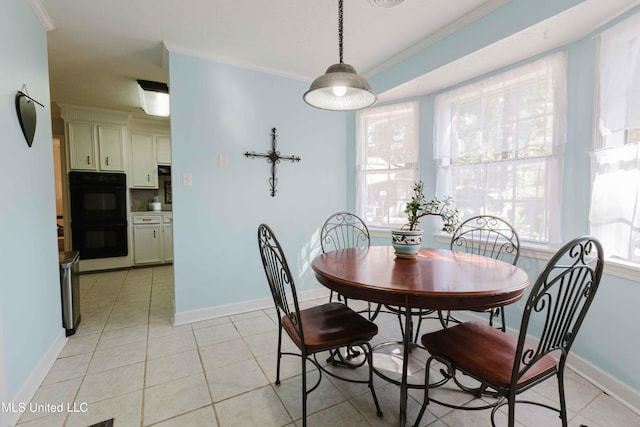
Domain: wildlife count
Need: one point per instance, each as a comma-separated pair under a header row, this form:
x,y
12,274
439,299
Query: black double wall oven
x,y
98,214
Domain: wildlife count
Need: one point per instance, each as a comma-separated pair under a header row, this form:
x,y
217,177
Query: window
x,y
614,216
498,146
386,162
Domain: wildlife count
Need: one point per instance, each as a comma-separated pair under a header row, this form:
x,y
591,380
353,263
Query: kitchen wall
x,y
219,112
32,334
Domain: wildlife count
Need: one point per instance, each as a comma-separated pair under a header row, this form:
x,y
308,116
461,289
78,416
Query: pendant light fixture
x,y
340,88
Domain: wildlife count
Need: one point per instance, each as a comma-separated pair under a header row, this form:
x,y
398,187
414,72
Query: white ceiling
x,y
98,49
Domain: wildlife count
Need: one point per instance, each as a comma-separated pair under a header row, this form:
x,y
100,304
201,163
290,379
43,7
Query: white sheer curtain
x,y
615,209
499,146
386,162
614,216
620,76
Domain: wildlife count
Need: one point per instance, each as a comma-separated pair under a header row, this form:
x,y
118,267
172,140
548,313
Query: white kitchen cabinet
x,y
163,149
94,147
167,238
82,146
152,237
147,239
111,147
144,167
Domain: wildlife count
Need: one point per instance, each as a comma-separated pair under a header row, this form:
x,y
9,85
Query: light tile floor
x,y
128,362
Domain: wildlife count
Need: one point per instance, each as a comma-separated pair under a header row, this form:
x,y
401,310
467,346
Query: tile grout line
x,y
146,354
86,370
204,373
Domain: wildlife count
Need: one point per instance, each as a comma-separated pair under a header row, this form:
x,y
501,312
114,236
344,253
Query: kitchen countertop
x,y
150,212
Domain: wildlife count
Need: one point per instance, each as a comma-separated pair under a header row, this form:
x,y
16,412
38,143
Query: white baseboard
x,y
615,388
37,376
191,316
605,382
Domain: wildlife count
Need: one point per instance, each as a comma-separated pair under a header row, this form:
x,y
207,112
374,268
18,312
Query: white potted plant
x,y
408,239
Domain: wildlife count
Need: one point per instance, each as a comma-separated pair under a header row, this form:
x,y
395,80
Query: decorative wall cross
x,y
273,157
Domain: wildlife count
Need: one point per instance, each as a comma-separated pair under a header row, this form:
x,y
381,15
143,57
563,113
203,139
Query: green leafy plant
x,y
419,207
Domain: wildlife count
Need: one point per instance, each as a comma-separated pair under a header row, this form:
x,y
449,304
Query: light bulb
x,y
339,90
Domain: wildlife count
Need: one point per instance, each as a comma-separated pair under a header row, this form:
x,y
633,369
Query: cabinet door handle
x,y
148,178
88,160
107,161
154,234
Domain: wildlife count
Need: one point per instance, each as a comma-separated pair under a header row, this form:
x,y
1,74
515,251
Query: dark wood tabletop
x,y
435,279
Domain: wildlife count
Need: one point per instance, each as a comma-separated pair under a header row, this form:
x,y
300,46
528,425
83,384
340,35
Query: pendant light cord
x,y
340,28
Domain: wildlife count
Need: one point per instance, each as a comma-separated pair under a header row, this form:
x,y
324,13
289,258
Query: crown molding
x,y
42,14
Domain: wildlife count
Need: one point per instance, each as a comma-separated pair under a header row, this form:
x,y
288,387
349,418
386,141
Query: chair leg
x,y
425,402
401,325
494,313
563,405
444,320
504,325
279,353
417,334
369,353
512,409
303,356
372,316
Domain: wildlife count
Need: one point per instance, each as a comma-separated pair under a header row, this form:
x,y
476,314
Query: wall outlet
x,y
187,179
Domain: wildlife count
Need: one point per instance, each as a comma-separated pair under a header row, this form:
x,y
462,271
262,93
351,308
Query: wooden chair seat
x,y
329,326
492,357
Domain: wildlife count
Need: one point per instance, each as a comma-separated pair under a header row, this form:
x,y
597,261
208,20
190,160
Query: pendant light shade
x,y
340,88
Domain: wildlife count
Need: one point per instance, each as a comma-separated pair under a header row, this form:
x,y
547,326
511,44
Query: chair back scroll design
x,y
558,303
344,230
279,278
489,236
554,312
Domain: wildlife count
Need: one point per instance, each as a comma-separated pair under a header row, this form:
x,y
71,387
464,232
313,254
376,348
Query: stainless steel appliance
x,y
70,290
98,214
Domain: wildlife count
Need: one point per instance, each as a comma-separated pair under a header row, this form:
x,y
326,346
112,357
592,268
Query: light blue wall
x,y
604,339
218,110
29,277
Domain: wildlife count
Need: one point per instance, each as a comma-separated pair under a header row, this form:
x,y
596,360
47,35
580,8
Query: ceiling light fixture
x,y
340,88
154,97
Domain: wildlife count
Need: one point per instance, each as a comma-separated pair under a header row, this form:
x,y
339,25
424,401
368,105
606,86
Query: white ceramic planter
x,y
406,243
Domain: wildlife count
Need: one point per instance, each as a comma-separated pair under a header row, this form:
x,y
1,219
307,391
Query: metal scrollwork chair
x,y
555,309
316,329
489,236
346,230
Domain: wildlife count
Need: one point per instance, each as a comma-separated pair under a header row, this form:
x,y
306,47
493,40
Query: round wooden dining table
x,y
437,279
